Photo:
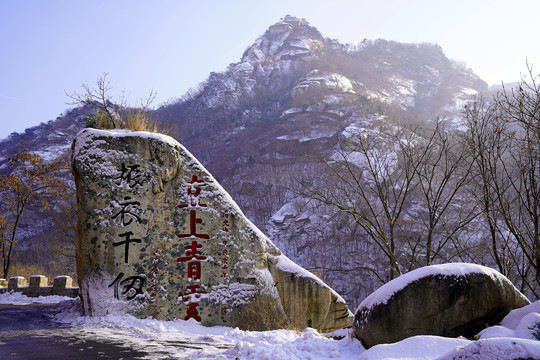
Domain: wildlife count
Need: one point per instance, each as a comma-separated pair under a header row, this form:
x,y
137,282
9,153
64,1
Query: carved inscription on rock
x,y
157,233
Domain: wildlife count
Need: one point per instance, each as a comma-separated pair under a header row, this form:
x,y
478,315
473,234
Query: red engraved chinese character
x,y
193,221
225,224
190,298
192,252
192,295
193,194
192,312
194,270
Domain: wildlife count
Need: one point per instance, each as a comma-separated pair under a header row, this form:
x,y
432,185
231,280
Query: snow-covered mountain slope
x,y
265,122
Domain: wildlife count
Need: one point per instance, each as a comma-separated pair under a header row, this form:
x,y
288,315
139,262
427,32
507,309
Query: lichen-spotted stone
x,y
158,236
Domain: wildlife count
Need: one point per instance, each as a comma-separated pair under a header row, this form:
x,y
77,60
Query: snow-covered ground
x,y
515,338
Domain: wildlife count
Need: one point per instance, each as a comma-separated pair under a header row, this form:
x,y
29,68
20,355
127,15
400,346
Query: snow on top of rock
x,y
406,91
328,81
461,98
355,130
436,347
469,91
227,90
287,211
403,92
340,82
385,292
291,111
89,148
290,38
297,47
233,294
381,95
294,19
495,348
313,134
287,265
244,69
302,43
432,71
386,159
89,134
416,347
529,327
355,158
52,152
514,317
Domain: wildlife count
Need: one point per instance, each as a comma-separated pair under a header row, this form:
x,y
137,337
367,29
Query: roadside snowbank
x,y
161,339
17,298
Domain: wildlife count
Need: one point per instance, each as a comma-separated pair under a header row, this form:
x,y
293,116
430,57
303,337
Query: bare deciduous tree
x,y
371,181
116,113
404,187
483,140
30,183
504,138
441,170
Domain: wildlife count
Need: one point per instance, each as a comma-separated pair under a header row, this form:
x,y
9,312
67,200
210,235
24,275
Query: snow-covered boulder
x,y
445,300
158,236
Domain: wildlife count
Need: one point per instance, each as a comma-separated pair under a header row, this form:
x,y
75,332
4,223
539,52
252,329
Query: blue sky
x,y
51,47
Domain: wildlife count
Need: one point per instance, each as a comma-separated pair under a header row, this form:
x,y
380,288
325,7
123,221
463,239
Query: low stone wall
x,y
39,286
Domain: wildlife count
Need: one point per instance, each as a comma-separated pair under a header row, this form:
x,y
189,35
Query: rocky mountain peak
x,y
291,38
270,64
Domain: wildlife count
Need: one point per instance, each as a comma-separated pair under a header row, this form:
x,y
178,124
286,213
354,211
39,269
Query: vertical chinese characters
x,y
127,213
225,254
155,273
193,251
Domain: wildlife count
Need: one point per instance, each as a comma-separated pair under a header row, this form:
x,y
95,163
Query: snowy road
x,y
29,332
31,329
34,329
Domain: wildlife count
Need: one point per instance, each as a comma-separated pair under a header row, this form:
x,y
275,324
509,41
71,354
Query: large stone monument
x,y
159,236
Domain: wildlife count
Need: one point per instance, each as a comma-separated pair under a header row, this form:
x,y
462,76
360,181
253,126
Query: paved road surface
x,y
29,332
